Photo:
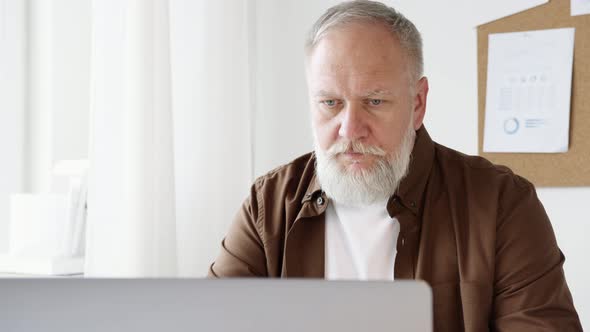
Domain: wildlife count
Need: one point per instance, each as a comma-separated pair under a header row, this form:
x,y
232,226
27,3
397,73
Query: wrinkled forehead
x,y
358,58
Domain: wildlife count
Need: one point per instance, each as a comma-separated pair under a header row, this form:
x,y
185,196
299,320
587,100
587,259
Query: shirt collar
x,y
313,189
411,189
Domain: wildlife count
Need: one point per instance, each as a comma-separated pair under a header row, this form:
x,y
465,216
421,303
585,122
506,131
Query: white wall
x,y
448,29
568,209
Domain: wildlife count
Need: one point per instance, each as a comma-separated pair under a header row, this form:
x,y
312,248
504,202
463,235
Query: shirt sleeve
x,y
531,293
242,250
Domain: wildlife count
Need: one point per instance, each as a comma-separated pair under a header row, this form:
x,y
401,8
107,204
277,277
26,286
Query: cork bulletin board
x,y
546,169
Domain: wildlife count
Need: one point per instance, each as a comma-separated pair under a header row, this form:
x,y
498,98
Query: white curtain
x,y
212,51
13,73
171,153
131,205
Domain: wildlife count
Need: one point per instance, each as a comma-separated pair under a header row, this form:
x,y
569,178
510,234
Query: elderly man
x,y
378,199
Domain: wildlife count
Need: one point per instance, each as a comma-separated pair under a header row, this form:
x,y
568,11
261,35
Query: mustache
x,y
356,147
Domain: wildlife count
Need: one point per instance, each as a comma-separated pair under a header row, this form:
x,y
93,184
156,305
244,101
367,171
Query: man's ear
x,y
420,96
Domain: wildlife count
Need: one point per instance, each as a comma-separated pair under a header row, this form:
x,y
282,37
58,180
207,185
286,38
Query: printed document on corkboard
x,y
528,91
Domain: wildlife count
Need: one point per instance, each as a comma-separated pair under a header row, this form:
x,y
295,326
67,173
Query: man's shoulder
x,y
292,167
292,177
478,170
492,192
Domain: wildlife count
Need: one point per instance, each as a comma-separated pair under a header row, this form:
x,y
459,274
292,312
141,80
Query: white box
x,y
38,225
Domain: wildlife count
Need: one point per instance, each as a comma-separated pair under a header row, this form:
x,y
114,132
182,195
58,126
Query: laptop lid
x,y
261,305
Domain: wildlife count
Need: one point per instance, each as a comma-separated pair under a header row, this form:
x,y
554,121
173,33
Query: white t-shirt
x,y
360,242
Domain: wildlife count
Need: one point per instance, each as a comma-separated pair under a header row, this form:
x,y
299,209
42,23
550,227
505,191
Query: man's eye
x,y
329,102
375,102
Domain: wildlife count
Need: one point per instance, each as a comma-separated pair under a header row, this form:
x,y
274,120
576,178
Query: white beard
x,y
366,186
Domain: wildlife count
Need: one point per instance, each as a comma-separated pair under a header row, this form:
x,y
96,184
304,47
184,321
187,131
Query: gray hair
x,y
372,11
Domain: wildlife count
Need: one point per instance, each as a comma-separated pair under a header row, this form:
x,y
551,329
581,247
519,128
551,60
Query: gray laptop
x,y
262,305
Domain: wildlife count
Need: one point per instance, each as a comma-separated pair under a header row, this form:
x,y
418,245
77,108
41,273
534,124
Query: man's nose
x,y
353,123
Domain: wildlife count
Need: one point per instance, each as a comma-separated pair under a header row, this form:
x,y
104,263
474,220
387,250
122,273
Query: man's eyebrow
x,y
378,92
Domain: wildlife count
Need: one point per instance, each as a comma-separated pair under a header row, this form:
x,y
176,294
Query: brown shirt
x,y
476,232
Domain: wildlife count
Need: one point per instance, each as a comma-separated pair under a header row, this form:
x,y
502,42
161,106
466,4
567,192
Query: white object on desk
x,y
47,231
37,223
73,232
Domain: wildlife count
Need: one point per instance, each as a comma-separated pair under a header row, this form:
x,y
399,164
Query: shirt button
x,y
320,201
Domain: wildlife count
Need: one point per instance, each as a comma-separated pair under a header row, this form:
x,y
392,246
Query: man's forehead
x,y
334,59
368,84
344,64
358,72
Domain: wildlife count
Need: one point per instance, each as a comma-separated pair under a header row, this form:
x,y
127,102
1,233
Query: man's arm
x,y
531,293
242,250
